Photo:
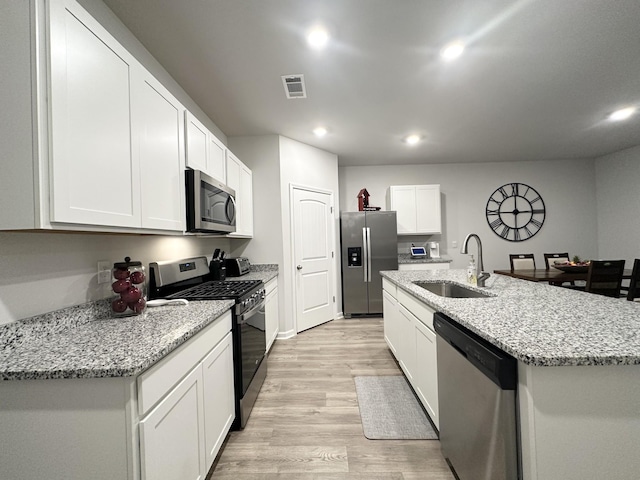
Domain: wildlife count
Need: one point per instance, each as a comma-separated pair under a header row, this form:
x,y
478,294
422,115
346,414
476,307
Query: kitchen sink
x,y
451,290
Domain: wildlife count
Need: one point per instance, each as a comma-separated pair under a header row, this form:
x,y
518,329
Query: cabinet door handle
x,y
299,267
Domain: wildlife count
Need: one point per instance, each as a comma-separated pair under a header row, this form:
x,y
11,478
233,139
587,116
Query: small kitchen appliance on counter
x,y
418,252
217,267
434,249
190,279
237,266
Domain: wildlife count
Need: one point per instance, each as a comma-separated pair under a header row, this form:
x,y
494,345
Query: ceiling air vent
x,y
294,86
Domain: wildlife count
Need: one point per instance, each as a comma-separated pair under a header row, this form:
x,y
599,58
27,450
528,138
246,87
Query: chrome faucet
x,y
480,275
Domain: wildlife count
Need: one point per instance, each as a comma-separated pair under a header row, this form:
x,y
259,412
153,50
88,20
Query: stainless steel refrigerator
x,y
369,244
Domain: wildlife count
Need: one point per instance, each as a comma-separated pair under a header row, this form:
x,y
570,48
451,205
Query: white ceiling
x,y
535,83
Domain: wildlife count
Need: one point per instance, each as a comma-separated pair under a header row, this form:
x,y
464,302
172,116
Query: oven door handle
x,y
250,313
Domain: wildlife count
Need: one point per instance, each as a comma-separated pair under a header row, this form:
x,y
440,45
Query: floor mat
x,y
390,411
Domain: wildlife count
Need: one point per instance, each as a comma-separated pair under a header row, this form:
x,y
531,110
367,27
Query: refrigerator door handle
x,y
368,254
364,253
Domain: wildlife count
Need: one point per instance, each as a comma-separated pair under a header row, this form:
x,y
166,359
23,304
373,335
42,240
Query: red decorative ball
x,y
118,305
120,286
120,273
137,277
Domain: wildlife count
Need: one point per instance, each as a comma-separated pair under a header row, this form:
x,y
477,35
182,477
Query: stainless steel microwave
x,y
211,205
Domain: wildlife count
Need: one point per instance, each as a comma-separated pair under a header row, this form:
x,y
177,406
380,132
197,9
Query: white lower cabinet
x,y
408,327
167,423
172,437
272,316
407,344
426,373
391,320
219,407
181,436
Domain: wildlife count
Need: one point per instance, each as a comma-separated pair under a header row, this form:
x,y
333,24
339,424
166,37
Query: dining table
x,y
552,275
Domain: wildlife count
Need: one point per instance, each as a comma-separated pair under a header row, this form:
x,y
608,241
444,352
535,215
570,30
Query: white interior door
x,y
313,257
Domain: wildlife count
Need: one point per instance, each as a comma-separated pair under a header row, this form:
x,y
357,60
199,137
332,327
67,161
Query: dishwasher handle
x,y
497,365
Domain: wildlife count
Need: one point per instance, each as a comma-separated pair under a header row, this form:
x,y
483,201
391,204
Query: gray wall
x,y
618,198
277,163
567,188
42,272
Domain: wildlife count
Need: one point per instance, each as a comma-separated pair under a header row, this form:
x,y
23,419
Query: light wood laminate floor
x,y
306,424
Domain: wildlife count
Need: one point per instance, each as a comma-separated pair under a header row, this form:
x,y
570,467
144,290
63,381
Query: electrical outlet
x,y
454,244
104,271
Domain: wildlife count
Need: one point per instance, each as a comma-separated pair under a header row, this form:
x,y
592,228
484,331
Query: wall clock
x,y
515,212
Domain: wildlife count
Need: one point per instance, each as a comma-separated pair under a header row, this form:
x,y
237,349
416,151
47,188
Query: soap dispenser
x,y
471,272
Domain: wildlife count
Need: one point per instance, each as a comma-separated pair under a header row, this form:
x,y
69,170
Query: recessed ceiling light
x,y
622,114
452,50
318,37
412,139
320,131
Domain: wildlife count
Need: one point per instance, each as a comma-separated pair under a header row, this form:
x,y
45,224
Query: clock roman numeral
x,y
537,199
515,187
493,212
505,232
503,192
497,223
516,234
536,222
537,210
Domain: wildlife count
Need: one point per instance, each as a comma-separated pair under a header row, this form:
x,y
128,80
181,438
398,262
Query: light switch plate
x,y
454,244
104,271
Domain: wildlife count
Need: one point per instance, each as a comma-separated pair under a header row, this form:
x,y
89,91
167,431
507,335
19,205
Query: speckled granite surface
x,y
264,272
407,258
537,323
86,341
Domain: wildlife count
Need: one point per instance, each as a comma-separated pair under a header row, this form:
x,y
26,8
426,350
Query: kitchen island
x,y
578,366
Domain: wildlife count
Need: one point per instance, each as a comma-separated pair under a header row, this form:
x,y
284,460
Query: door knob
x,y
299,267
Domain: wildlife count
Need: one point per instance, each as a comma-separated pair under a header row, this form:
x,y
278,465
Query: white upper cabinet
x,y
197,143
95,178
107,139
217,156
417,207
159,145
205,152
240,178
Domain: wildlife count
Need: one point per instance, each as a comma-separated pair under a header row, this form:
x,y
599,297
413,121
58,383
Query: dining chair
x,y
522,261
551,258
633,290
605,277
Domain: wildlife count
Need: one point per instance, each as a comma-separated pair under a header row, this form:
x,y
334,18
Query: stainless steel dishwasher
x,y
477,397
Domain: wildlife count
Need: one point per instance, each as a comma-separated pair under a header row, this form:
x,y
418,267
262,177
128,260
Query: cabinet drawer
x,y
270,286
390,287
421,311
156,382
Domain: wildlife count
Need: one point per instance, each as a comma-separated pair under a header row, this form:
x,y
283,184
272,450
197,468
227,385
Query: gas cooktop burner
x,y
217,290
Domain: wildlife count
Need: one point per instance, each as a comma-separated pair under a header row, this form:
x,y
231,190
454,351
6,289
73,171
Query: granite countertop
x,y
87,342
537,323
264,272
404,258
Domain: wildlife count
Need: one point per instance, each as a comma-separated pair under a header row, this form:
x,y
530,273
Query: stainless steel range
x,y
190,279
